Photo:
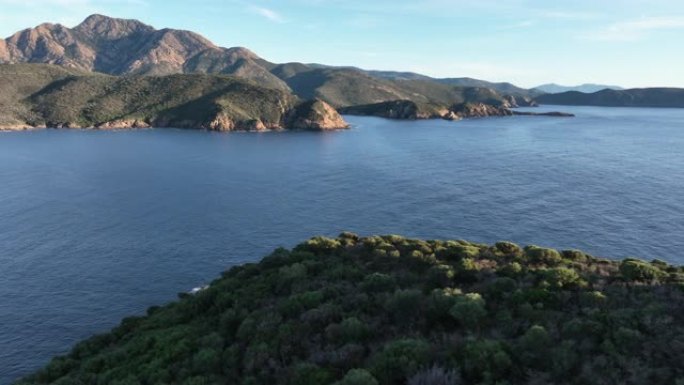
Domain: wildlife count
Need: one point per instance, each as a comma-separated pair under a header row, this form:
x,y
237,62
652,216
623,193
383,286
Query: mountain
x,y
588,88
503,88
129,47
393,311
36,95
638,97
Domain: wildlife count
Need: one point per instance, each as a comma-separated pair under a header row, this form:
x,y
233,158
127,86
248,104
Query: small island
x,y
391,310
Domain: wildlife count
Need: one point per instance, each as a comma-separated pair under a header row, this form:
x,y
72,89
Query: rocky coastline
x,y
409,110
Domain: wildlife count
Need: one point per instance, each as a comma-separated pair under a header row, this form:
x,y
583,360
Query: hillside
x,y
587,88
51,96
390,310
638,97
125,47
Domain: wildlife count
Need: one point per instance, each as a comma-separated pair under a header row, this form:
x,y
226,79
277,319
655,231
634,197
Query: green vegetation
x,y
44,95
390,310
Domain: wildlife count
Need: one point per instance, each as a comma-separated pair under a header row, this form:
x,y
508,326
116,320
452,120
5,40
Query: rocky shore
x,y
409,110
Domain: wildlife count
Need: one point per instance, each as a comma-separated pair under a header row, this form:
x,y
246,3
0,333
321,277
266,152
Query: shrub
x,y
320,245
508,249
486,360
399,360
536,339
436,376
634,270
439,304
357,377
378,282
466,269
562,277
404,305
440,275
513,270
454,251
469,310
310,374
349,330
502,287
542,255
574,255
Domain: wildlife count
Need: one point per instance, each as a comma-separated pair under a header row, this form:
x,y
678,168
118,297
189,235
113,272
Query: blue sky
x,y
633,43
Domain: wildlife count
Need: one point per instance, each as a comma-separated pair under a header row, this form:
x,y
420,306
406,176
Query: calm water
x,y
95,226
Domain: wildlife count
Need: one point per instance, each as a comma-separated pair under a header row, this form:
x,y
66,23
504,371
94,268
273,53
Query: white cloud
x,y
633,30
268,14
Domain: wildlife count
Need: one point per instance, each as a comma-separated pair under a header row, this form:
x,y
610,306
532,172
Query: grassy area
x,y
391,310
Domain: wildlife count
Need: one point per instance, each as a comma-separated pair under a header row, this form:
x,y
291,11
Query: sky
x,y
630,43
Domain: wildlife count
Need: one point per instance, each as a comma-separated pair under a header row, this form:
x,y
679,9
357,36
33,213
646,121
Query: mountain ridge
x,y
635,97
47,96
553,88
130,47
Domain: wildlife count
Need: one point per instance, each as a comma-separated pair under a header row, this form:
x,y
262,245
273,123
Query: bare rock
x,y
315,115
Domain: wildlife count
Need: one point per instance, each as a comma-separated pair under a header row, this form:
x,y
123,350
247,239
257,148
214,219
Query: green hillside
x,y
390,310
43,95
637,97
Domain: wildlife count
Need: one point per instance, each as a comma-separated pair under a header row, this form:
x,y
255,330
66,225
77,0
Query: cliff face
x,y
45,96
315,115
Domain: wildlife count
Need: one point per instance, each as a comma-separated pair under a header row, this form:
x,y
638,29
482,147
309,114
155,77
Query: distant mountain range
x,y
99,57
637,97
588,88
130,47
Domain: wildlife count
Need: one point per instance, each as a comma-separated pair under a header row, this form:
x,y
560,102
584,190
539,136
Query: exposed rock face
x,y
315,115
401,109
123,124
479,110
122,47
4,53
519,101
103,28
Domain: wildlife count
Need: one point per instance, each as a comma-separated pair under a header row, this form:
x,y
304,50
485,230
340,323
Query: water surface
x,y
95,226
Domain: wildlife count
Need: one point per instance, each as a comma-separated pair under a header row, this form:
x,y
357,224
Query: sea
x,y
99,225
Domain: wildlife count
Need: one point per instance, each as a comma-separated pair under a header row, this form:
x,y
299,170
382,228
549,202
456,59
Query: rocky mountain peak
x,y
109,28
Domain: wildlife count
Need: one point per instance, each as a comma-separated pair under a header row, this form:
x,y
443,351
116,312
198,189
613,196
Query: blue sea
x,y
96,226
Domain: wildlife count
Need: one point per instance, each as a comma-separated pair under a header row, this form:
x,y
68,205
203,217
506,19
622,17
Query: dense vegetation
x,y
44,95
390,310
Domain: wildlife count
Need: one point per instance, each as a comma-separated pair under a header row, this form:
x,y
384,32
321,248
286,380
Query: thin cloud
x,y
634,30
267,13
568,15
